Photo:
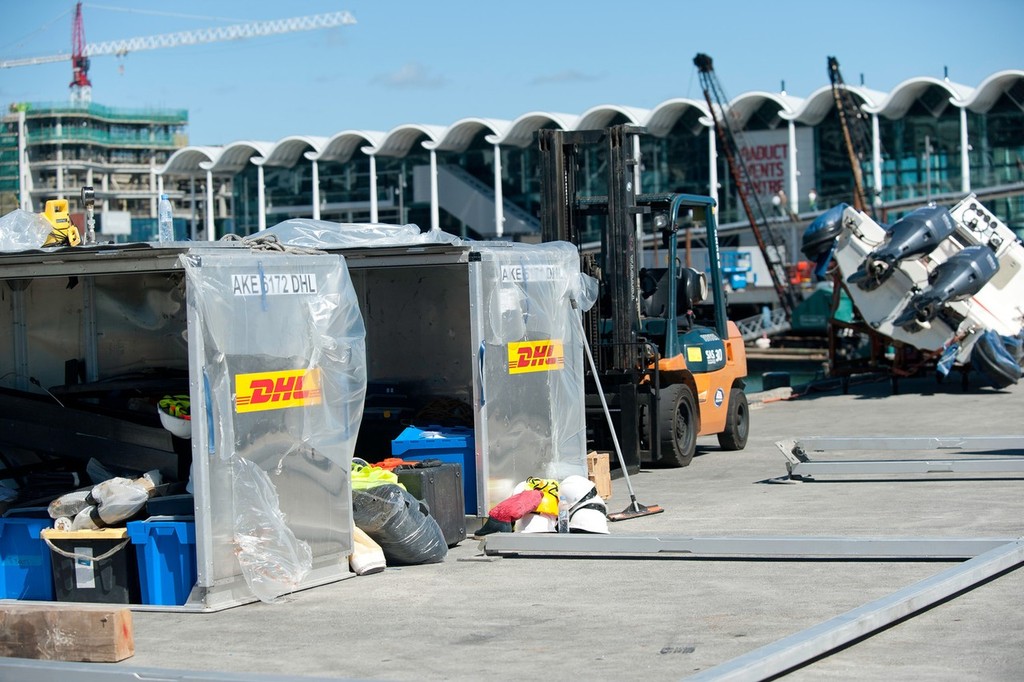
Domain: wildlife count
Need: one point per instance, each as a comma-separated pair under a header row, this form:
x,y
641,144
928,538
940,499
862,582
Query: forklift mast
x,y
562,213
628,340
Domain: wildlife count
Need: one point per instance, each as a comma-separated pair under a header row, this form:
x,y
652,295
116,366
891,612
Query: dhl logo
x,y
277,390
535,356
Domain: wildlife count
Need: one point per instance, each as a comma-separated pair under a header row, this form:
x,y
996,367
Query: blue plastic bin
x,y
166,552
450,444
25,559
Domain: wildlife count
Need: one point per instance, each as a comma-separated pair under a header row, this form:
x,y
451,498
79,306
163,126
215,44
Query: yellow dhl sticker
x,y
277,390
535,356
693,354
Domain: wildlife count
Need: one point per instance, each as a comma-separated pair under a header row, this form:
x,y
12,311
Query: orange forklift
x,y
667,374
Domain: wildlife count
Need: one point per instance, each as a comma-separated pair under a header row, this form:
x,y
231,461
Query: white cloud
x,y
566,76
412,75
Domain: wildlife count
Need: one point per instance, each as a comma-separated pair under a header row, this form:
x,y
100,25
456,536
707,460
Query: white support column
x,y
159,185
211,229
373,188
499,200
261,195
194,224
876,159
24,195
636,191
794,196
965,157
713,166
316,183
435,211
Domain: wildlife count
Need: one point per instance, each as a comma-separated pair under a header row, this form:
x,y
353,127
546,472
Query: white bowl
x,y
182,428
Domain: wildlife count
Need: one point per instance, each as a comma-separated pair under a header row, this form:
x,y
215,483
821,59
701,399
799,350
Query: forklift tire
x,y
678,425
737,422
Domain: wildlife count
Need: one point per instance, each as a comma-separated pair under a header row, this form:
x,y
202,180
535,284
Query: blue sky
x,y
437,62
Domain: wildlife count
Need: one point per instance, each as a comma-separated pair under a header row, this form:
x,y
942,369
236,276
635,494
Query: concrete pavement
x,y
661,618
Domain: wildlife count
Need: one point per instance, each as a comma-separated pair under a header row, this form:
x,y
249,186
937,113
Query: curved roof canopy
x,y
993,87
934,94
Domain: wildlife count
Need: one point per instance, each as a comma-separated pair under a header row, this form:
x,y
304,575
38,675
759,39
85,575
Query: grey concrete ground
x,y
668,618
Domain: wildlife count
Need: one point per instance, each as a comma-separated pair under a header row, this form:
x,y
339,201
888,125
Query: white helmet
x,y
590,518
578,491
537,523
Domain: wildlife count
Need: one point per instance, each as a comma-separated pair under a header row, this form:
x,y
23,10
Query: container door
x,y
530,398
278,372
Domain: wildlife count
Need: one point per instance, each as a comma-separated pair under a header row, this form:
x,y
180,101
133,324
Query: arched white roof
x,y
457,136
236,155
186,160
992,88
400,139
289,149
520,132
341,146
601,115
816,107
744,106
902,97
663,117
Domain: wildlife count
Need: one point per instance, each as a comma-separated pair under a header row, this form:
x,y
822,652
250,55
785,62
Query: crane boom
x,y
207,35
770,245
852,122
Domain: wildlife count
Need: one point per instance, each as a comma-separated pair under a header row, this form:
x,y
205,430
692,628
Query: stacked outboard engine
x,y
819,239
949,283
913,236
959,278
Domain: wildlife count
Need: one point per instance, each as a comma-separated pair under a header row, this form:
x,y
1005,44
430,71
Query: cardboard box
x,y
599,471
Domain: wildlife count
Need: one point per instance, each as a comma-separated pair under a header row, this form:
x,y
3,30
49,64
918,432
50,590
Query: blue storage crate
x,y
449,444
25,559
165,548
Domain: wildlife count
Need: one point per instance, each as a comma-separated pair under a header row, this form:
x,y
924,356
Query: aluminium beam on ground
x,y
801,647
769,547
993,452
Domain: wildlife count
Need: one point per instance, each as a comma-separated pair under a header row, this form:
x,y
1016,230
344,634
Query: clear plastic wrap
x,y
22,230
531,358
272,559
278,360
400,524
322,234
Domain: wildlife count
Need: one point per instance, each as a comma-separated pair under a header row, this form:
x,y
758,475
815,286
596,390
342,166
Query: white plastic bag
x,y
21,230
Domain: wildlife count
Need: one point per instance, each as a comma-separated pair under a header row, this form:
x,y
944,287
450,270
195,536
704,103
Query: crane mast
x,y
855,137
770,245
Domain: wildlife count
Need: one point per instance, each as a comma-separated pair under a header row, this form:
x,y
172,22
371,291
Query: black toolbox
x,y
440,486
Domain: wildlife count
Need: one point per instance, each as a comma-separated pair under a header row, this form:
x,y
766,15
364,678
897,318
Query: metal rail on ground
x,y
993,455
986,558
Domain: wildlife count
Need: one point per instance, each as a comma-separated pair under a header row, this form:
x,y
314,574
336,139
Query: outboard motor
x,y
819,239
960,277
913,235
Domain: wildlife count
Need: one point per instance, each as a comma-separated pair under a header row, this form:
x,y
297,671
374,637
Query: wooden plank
x,y
65,632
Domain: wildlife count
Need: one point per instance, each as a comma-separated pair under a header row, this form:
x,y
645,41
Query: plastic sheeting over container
x,y
490,322
278,377
531,356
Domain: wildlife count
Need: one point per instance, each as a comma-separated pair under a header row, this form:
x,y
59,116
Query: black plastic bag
x,y
400,524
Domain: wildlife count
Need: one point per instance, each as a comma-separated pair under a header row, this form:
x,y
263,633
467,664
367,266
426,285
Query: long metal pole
x,y
604,403
797,649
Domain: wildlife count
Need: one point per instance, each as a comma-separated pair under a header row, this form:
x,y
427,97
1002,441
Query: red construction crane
x,y
81,88
81,52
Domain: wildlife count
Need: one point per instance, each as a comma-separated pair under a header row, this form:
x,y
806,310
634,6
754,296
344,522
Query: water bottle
x,y
165,220
563,516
